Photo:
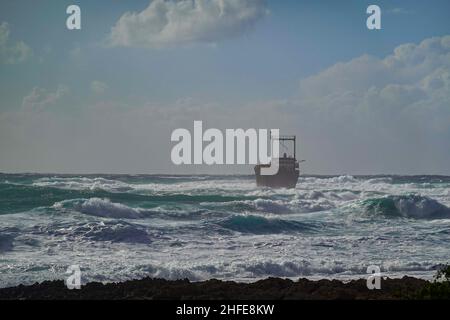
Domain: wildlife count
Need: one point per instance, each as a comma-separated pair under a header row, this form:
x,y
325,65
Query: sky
x,y
105,99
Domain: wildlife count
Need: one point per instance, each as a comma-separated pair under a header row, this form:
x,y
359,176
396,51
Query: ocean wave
x,y
294,268
25,197
82,183
105,208
111,231
303,268
261,225
343,179
102,208
6,242
407,206
114,232
146,185
272,206
379,180
7,237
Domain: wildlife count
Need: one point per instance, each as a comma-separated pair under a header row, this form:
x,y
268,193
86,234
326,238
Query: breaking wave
x,y
117,232
111,231
102,208
408,206
203,227
280,206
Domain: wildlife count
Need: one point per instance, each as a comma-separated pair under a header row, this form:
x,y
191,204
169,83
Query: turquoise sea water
x,y
119,227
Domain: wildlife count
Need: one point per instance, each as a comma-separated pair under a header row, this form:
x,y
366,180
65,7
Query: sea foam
x,y
408,206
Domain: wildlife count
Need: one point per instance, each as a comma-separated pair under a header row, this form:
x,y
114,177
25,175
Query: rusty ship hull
x,y
286,177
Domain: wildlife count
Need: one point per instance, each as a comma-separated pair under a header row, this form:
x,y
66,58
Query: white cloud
x,y
39,99
412,74
381,115
367,115
173,22
98,87
11,53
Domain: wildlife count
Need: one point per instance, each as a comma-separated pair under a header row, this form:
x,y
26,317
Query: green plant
x,y
439,288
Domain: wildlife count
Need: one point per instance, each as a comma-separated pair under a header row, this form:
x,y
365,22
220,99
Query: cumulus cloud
x,y
11,53
39,98
368,115
388,114
413,75
174,22
98,87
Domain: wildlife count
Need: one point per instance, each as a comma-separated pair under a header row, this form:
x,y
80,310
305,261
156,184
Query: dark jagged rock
x,y
271,288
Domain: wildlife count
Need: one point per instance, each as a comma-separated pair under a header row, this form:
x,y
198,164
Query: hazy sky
x,y
105,99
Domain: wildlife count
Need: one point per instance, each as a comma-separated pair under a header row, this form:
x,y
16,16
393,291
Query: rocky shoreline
x,y
268,289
